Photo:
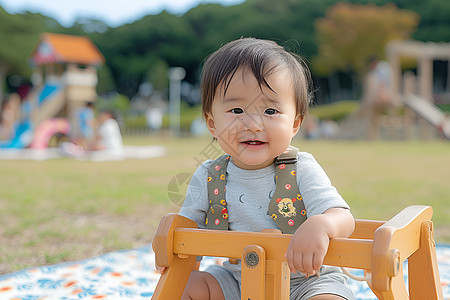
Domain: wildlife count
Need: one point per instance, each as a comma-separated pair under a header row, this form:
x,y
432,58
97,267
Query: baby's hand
x,y
308,246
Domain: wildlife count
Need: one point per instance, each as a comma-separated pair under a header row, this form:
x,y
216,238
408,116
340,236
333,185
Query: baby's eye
x,y
237,111
270,111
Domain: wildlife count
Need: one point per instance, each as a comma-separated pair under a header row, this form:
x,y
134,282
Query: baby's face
x,y
252,124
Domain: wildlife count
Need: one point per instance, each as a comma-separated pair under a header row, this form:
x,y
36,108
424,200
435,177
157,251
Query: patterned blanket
x,y
130,274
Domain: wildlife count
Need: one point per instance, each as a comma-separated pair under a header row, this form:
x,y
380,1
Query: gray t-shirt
x,y
248,193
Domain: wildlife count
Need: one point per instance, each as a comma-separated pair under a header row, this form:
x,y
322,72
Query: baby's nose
x,y
253,122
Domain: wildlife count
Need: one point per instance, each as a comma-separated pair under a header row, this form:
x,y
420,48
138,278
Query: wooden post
x,y
172,283
253,268
423,274
179,267
278,281
399,235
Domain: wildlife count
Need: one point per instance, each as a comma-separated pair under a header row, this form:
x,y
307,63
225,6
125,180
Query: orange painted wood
x,y
423,274
402,232
397,290
164,238
277,280
172,283
253,269
341,252
376,246
365,229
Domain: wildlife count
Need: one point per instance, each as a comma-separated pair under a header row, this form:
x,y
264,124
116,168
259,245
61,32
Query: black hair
x,y
262,57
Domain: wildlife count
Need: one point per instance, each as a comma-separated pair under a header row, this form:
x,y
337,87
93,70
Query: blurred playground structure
x,y
64,79
401,105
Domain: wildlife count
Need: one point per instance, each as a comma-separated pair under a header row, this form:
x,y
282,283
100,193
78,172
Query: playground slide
x,y
45,103
50,103
22,137
429,112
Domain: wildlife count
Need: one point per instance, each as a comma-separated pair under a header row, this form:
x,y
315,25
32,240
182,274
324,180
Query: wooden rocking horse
x,y
377,247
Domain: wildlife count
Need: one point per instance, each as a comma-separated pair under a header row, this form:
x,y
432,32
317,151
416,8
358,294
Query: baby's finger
x,y
298,262
307,264
318,260
290,260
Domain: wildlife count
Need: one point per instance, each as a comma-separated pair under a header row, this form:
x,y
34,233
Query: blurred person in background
x,y
84,127
107,135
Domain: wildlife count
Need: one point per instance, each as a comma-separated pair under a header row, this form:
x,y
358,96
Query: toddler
x,y
255,96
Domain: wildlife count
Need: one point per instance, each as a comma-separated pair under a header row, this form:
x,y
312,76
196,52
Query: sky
x,y
113,12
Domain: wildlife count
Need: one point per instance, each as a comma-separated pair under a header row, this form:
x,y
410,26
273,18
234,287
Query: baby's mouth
x,y
253,142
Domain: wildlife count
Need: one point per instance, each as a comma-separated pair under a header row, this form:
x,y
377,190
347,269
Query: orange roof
x,y
62,48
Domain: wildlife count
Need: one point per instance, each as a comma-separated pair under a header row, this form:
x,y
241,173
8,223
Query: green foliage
x,y
187,115
131,51
144,49
135,121
434,18
105,80
335,111
351,33
18,35
158,75
444,107
117,102
186,40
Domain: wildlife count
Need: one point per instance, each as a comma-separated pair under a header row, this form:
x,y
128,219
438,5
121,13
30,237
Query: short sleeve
x,y
318,193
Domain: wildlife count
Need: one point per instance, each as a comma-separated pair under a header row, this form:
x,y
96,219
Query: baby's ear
x,y
297,123
210,124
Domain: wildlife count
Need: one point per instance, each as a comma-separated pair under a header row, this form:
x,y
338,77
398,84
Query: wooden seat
x,y
377,247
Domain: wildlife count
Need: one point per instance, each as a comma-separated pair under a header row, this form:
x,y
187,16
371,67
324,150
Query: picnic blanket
x,y
130,274
129,152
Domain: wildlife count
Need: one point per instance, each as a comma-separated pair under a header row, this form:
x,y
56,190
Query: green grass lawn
x,y
61,210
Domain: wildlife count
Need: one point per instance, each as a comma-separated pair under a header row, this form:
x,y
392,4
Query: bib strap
x,y
287,207
217,216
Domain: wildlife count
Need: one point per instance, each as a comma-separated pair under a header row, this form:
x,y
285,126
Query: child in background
x,y
255,96
84,134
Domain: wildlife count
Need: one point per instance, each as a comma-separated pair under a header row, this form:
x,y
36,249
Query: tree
x,y
434,15
350,34
132,50
342,38
19,34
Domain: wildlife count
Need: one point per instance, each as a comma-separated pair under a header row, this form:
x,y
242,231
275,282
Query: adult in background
x,y
377,94
108,136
